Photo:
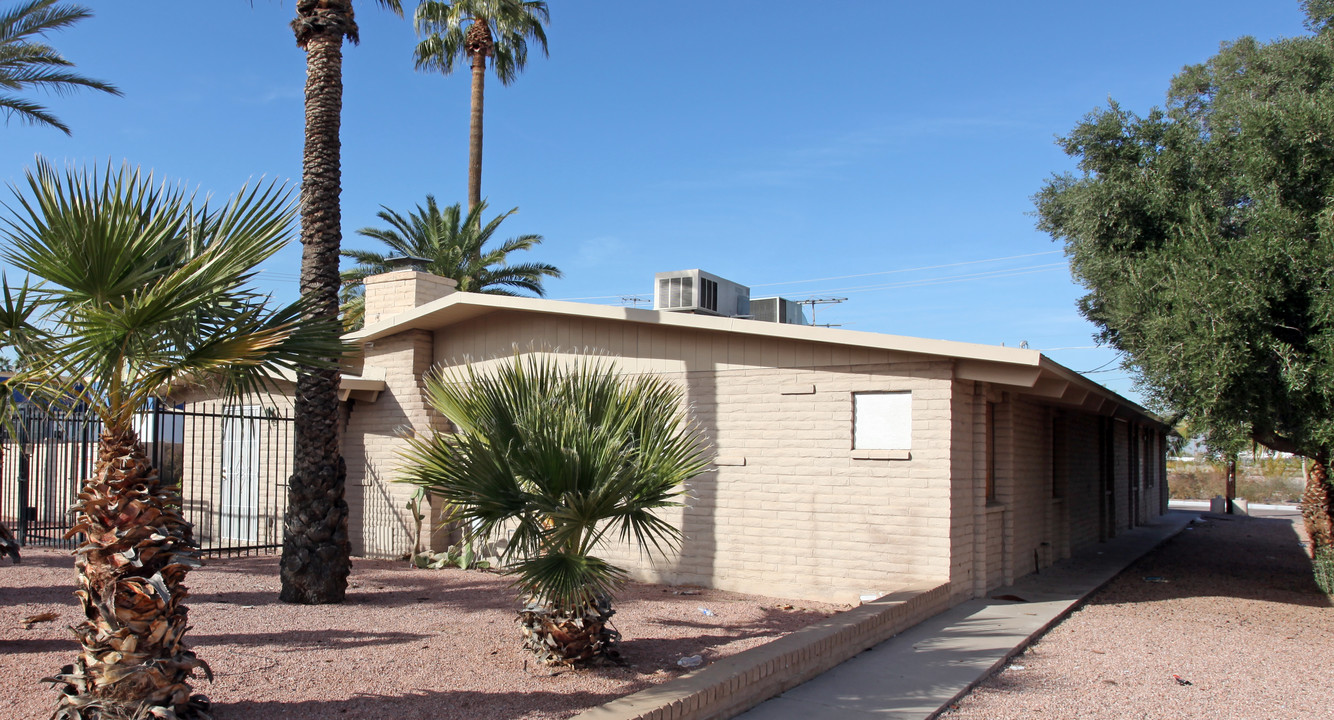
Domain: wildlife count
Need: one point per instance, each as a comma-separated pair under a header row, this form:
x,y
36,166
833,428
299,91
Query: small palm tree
x,y
559,460
141,289
26,63
455,246
477,30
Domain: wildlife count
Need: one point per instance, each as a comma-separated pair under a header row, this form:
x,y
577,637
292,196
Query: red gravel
x,y
406,643
1230,607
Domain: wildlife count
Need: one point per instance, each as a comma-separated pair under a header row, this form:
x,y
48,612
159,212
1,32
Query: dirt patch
x,y
407,643
1223,621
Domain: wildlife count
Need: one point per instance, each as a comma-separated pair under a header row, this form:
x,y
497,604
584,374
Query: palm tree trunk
x,y
137,549
315,562
1318,506
475,130
560,637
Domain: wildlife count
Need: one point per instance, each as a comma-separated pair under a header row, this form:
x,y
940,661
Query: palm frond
x,y
456,247
26,63
559,456
442,27
143,288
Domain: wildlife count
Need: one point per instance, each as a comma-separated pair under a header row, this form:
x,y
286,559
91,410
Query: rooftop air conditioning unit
x,y
695,291
779,310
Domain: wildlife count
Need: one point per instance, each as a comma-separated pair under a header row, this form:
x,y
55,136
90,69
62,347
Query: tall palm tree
x,y
455,246
476,30
140,289
27,63
315,562
558,459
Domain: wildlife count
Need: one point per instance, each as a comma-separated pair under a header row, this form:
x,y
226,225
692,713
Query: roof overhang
x,y
365,386
1020,370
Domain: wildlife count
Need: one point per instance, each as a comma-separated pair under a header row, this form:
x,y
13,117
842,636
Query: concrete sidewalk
x,y
922,670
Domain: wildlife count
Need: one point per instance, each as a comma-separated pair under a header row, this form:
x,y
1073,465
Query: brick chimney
x,y
391,293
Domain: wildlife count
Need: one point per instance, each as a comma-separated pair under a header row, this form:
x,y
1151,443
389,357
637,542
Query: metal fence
x,y
230,463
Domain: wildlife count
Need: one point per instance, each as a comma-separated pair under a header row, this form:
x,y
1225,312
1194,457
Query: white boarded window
x,y
882,421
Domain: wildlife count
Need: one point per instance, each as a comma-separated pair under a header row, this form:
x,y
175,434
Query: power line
x,y
990,274
916,269
1099,369
912,283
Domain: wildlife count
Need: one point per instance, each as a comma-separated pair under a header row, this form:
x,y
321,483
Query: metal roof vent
x,y
701,293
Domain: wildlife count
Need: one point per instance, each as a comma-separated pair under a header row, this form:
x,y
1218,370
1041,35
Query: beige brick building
x,y
846,464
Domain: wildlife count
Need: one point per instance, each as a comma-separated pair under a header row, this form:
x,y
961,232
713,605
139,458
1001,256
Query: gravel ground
x,y
407,643
1228,605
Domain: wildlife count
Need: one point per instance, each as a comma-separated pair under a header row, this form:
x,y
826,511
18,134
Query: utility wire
x,y
1010,272
916,269
1099,369
912,283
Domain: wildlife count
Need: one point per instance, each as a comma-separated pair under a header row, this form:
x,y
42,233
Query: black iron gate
x,y
230,462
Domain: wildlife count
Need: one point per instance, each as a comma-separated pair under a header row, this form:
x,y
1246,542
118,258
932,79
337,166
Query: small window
x,y
882,421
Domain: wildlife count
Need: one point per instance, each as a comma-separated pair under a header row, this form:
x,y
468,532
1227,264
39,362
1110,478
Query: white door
x,y
240,473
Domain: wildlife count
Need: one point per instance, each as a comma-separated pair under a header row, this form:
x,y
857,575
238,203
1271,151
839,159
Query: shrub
x,y
1259,480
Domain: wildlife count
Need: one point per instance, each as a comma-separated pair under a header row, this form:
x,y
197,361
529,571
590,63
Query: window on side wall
x,y
882,425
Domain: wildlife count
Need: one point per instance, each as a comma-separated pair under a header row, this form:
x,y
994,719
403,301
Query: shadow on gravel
x,y
1230,556
416,706
288,640
39,645
45,560
466,597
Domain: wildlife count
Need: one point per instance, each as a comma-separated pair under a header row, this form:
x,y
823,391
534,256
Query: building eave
x,y
1027,372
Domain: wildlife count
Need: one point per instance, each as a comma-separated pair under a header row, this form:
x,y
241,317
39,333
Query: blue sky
x,y
881,151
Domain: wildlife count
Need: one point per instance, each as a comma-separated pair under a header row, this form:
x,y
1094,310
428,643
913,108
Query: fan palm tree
x,y
476,30
455,246
559,459
140,289
27,63
315,562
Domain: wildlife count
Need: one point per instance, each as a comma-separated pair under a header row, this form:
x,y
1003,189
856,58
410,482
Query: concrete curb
x,y
733,685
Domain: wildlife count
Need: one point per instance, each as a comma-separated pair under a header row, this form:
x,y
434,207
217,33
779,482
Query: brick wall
x,y
1030,505
787,510
968,490
389,294
1077,472
1120,438
234,478
376,434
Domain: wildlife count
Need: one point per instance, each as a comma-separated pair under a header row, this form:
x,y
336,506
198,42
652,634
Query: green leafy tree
x,y
27,63
475,31
316,550
141,289
1204,233
455,246
557,459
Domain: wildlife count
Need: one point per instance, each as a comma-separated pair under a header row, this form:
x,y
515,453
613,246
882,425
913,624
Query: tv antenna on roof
x,y
821,301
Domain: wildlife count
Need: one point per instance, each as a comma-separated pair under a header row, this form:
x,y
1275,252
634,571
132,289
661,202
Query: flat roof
x,y
1029,370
